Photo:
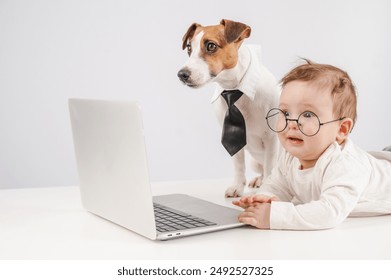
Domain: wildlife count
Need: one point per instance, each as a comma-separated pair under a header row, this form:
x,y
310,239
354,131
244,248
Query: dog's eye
x,y
188,46
211,47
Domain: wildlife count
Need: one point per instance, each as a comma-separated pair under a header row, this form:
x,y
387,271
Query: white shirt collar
x,y
248,85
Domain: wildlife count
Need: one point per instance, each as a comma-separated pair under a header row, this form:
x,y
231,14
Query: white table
x,y
50,223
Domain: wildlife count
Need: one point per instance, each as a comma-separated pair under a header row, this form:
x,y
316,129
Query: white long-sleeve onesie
x,y
344,181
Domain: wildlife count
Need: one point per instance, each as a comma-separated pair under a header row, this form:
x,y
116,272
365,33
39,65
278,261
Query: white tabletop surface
x,y
50,223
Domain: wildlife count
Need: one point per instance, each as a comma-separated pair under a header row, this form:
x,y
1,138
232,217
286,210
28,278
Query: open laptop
x,y
114,179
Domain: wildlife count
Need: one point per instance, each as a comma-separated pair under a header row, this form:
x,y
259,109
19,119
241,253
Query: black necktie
x,y
233,137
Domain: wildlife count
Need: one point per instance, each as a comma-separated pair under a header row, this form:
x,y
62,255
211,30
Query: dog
x,y
216,54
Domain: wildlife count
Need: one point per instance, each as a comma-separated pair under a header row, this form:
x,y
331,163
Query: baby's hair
x,y
342,89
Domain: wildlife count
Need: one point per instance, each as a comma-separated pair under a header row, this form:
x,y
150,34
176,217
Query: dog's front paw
x,y
256,182
234,191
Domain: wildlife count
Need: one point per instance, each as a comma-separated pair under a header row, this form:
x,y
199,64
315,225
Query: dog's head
x,y
211,49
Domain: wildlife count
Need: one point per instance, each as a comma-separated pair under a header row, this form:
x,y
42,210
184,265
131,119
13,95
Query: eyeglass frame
x,y
297,121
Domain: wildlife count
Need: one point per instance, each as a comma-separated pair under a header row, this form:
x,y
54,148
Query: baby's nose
x,y
293,124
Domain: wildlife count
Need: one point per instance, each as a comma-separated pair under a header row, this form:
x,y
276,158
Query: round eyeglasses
x,y
307,122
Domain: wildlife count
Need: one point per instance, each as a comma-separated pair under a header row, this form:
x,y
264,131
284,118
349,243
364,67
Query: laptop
x,y
114,178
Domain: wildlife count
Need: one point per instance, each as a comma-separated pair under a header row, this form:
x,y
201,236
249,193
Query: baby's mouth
x,y
295,140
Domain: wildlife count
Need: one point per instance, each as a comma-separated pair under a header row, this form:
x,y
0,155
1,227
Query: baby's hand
x,y
257,216
248,201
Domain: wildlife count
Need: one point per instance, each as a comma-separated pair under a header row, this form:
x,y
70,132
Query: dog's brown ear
x,y
235,31
189,34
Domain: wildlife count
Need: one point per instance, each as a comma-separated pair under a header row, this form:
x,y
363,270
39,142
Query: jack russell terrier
x,y
216,54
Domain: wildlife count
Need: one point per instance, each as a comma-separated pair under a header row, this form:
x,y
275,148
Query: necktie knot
x,y
231,96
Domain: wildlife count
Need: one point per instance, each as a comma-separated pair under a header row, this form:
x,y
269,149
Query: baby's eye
x,y
308,115
286,113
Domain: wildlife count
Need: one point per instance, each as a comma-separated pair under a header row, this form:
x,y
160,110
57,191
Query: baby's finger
x,y
240,204
248,221
245,199
262,198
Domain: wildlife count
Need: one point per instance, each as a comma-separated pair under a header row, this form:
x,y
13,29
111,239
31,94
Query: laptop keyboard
x,y
168,219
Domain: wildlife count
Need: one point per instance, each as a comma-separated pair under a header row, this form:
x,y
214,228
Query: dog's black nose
x,y
184,75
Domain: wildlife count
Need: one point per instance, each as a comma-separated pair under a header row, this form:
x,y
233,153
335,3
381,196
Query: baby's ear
x,y
344,129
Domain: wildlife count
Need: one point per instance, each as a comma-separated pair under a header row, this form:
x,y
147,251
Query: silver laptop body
x,y
114,179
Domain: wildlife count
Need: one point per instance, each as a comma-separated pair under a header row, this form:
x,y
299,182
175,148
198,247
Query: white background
x,y
131,50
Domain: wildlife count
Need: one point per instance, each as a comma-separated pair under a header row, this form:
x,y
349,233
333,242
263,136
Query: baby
x,y
321,176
